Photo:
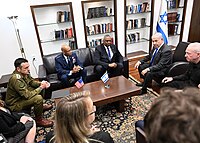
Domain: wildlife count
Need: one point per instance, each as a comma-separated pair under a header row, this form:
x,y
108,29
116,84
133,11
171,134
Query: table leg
x,y
120,105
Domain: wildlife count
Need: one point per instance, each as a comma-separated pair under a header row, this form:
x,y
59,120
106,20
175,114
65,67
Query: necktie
x,y
109,56
68,60
154,54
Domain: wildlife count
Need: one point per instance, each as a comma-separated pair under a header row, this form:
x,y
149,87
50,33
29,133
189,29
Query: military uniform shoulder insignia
x,y
18,76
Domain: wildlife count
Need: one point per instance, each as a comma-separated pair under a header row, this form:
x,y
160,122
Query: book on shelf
x,y
135,23
66,33
173,29
172,4
145,6
63,34
99,28
70,33
96,42
138,8
63,16
172,17
59,13
59,34
72,44
143,22
96,12
133,37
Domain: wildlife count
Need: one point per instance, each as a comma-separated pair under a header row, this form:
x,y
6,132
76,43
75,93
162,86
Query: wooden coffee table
x,y
120,89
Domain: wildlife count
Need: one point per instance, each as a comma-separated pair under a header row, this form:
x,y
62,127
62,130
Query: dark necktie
x,y
154,54
68,60
109,55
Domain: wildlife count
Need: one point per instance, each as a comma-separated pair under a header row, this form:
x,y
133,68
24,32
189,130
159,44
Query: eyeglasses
x,y
94,110
108,40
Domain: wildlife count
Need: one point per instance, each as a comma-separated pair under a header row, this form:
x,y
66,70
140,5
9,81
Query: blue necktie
x,y
109,56
154,54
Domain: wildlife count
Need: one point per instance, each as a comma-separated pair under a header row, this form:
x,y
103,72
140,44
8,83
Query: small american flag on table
x,y
79,83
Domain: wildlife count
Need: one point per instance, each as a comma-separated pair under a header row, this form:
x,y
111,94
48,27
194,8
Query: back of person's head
x,y
1,103
19,61
70,119
174,117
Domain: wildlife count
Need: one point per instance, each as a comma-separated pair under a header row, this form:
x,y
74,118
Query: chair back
x,y
179,53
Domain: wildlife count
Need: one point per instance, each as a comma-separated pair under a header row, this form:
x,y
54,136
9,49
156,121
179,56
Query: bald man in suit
x,y
69,68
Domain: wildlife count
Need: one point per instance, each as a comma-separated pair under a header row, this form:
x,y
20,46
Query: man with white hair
x,y
154,65
192,76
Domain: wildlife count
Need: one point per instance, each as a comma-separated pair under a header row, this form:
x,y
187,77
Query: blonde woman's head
x,y
74,114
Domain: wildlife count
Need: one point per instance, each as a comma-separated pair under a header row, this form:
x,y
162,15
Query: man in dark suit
x,y
108,58
68,66
154,65
192,75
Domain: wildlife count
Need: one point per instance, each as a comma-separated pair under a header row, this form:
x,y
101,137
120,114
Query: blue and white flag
x,y
162,25
105,77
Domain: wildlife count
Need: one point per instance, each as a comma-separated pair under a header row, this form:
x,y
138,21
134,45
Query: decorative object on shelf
x,y
14,21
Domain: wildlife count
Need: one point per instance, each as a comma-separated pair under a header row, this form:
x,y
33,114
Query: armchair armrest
x,y
140,135
126,67
42,73
177,68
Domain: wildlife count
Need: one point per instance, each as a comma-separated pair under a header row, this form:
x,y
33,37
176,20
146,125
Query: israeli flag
x,y
105,77
162,24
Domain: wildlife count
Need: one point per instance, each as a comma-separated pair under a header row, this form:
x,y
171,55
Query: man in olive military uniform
x,y
23,92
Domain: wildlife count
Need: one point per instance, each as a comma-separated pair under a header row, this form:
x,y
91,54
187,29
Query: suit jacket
x,y
101,56
9,124
162,60
61,65
192,75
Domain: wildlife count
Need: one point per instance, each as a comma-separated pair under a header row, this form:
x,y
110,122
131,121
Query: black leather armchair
x,y
86,56
179,64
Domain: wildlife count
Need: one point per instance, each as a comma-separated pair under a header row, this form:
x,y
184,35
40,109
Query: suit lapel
x,y
157,57
64,61
113,49
104,51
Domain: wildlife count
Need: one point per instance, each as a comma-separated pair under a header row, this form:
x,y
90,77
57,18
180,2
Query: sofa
x,y
86,56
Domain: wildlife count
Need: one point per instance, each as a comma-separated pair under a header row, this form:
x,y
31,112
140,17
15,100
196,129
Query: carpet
x,y
121,126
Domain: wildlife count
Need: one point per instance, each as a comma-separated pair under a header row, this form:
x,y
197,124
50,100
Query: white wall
x,y
9,46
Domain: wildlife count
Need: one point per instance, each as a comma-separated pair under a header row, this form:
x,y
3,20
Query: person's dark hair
x,y
19,61
174,117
